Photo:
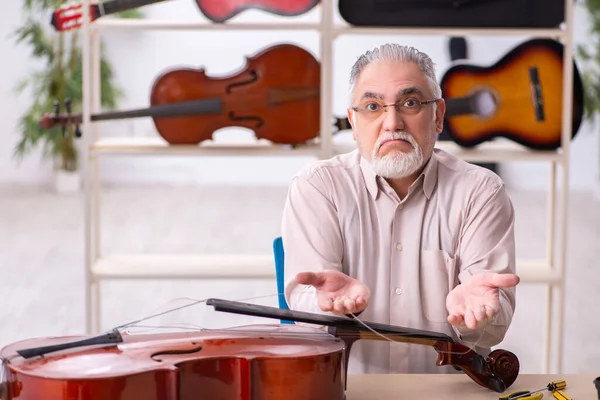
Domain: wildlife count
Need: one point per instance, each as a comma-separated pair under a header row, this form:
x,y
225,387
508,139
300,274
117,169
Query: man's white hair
x,y
397,52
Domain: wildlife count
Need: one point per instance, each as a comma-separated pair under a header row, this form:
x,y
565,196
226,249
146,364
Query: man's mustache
x,y
395,136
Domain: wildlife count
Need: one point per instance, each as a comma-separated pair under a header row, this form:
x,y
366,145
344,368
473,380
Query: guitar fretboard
x,y
115,6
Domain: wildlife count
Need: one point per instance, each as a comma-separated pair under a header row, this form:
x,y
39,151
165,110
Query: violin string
x,y
470,345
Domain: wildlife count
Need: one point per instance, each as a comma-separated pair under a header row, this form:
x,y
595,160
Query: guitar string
x,y
101,8
470,345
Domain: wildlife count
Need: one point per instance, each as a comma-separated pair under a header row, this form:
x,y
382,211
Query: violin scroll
x,y
496,372
505,365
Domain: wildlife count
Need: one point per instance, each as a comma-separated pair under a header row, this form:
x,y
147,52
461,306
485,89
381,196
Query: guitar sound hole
x,y
483,103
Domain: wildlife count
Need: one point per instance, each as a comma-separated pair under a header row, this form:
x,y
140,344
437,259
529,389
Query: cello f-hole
x,y
259,121
175,352
254,78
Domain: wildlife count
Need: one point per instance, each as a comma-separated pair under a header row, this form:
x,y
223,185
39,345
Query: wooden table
x,y
458,387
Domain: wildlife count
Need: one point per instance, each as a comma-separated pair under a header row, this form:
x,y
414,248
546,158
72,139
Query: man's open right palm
x,y
336,291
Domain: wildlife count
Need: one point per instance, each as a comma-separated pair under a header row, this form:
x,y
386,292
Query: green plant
x,y
589,61
58,78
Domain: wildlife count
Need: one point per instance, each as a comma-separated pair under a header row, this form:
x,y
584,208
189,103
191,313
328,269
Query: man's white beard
x,y
397,164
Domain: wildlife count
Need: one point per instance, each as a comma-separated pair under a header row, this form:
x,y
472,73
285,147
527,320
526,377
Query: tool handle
x,y
560,395
557,385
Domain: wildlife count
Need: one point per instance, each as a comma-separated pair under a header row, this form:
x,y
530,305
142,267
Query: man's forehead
x,y
391,78
371,93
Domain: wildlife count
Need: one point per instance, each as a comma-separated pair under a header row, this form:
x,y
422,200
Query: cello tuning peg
x,y
77,131
68,105
56,105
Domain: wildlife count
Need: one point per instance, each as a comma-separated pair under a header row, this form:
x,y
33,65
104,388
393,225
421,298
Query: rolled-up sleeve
x,y
311,237
487,244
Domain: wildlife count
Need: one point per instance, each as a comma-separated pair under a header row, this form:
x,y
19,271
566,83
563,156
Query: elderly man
x,y
397,231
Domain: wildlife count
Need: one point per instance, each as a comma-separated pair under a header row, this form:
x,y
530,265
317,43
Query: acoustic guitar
x,y
70,16
518,98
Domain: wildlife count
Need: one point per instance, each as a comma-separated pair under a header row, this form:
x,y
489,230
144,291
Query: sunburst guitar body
x,y
518,98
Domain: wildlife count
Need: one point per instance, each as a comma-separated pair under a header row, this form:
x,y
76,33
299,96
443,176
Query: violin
x,y
276,95
255,362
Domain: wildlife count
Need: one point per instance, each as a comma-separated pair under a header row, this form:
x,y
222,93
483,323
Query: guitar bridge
x,y
536,94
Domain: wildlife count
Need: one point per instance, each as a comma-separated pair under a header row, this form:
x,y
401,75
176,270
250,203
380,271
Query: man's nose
x,y
392,120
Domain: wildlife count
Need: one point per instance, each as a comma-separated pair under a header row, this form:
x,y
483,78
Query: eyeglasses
x,y
411,106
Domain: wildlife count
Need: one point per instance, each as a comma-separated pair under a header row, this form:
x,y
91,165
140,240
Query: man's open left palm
x,y
478,299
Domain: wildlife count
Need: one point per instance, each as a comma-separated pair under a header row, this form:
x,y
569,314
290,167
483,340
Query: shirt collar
x,y
428,176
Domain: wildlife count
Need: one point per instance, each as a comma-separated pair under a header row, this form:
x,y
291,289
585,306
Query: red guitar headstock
x,y
70,17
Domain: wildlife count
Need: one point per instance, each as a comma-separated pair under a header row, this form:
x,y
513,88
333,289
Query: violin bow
x,y
496,372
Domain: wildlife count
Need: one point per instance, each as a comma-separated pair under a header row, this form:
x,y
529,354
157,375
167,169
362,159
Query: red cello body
x,y
256,362
222,10
265,362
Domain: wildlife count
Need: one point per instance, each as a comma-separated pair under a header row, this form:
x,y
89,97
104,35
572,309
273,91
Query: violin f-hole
x,y
174,352
254,78
259,121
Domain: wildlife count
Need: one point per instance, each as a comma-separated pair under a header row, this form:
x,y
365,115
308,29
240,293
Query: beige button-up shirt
x,y
456,221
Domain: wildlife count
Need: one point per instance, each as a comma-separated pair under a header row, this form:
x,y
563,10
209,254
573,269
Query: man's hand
x,y
477,300
336,291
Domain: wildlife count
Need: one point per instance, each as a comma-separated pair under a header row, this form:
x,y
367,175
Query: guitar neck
x,y
456,106
481,103
115,6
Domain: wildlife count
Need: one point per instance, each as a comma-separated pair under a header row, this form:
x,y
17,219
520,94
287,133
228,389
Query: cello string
x,y
194,302
469,345
158,314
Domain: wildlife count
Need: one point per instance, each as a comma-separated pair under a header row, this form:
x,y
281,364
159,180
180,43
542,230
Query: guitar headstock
x,y
70,17
50,120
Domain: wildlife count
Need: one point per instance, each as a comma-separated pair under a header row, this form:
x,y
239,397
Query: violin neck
x,y
115,6
342,327
195,107
390,336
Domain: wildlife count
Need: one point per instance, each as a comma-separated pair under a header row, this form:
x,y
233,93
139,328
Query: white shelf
x,y
358,30
177,266
157,146
239,266
345,29
497,151
537,272
141,24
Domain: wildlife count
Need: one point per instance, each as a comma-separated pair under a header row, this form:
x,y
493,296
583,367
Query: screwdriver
x,y
555,387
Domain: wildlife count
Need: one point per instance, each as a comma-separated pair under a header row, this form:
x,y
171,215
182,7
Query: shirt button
x,y
399,247
400,206
398,290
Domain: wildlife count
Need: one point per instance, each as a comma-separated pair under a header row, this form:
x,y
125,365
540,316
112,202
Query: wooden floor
x,y
42,272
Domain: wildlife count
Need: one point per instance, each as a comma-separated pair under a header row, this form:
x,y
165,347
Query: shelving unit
x,y
98,266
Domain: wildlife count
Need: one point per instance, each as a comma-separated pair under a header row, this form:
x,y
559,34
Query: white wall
x,y
139,56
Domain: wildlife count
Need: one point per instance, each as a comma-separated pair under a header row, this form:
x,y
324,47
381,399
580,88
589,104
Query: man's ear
x,y
351,114
440,112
